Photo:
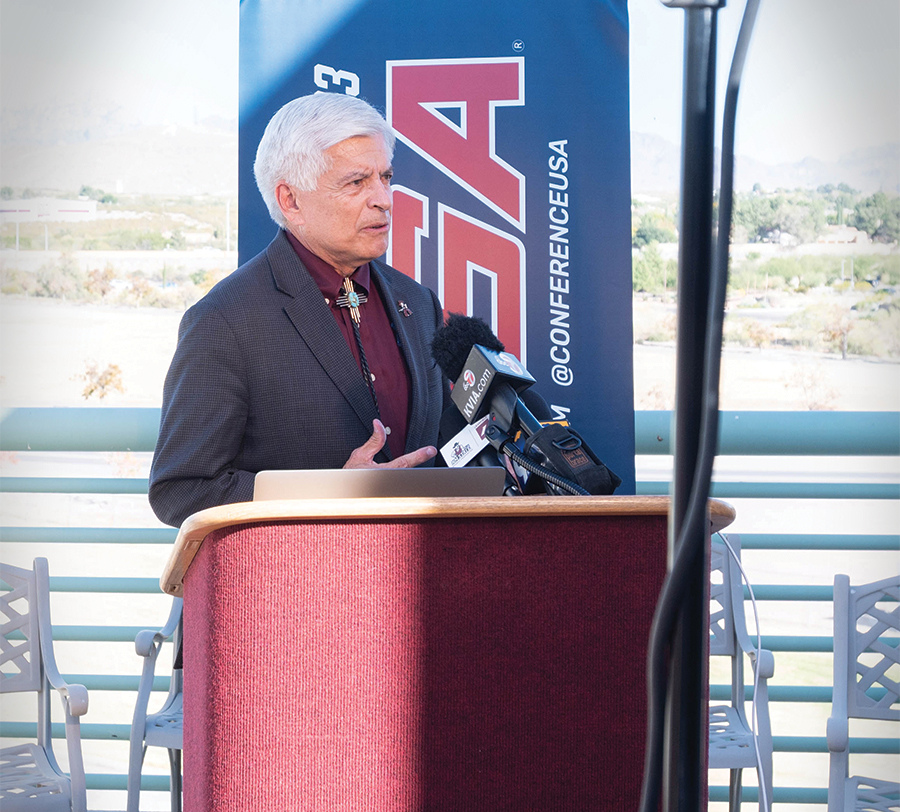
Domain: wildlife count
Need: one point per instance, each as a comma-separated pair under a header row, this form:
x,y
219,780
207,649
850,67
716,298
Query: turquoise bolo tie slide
x,y
350,298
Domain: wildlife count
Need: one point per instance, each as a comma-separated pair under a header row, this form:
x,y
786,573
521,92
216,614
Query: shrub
x,y
660,331
60,280
749,333
812,382
99,283
101,382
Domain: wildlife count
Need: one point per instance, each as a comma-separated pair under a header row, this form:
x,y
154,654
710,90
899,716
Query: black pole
x,y
684,778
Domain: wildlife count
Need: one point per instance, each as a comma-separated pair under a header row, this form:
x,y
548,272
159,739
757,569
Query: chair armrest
x,y
174,617
75,697
761,658
763,662
146,640
837,734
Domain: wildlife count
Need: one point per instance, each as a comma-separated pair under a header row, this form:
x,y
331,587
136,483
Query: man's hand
x,y
364,456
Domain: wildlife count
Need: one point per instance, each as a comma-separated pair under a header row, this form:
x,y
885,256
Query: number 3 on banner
x,y
325,75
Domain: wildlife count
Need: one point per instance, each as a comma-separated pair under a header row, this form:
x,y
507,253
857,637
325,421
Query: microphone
x,y
462,443
487,379
489,392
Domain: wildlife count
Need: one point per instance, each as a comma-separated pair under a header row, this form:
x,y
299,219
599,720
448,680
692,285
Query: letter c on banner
x,y
554,350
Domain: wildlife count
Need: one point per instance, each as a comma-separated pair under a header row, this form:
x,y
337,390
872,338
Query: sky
x,y
163,61
822,76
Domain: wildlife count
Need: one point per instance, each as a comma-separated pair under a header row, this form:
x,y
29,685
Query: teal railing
x,y
745,434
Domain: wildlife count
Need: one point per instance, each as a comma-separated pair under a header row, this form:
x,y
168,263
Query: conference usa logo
x,y
446,111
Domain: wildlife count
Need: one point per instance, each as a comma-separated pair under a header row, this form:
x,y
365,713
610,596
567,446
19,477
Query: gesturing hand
x,y
364,456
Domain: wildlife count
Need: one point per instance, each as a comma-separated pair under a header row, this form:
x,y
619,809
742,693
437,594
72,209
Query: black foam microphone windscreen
x,y
453,341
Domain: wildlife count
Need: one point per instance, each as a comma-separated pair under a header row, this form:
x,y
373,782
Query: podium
x,y
409,655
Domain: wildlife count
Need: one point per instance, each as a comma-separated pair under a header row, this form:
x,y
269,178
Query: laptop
x,y
354,483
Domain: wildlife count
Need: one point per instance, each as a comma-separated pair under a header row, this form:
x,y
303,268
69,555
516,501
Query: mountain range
x,y
165,160
202,159
655,169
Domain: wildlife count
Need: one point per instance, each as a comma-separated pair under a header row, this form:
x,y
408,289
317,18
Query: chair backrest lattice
x,y
19,637
874,627
721,615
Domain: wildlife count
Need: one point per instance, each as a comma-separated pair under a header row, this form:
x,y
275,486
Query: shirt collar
x,y
324,275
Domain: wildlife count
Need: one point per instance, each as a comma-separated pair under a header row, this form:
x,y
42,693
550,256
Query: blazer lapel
x,y
413,354
314,322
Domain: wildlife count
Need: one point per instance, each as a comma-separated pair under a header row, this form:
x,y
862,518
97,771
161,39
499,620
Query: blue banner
x,y
512,191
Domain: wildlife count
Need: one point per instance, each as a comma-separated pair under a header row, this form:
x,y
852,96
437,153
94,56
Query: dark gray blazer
x,y
262,378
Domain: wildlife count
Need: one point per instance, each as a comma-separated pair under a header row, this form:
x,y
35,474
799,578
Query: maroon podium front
x,y
465,655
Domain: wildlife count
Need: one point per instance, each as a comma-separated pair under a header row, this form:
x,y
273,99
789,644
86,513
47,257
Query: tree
x,y
879,216
803,219
651,273
836,327
843,201
755,213
97,194
653,227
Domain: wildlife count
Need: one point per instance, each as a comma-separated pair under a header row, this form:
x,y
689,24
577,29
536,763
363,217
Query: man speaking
x,y
313,354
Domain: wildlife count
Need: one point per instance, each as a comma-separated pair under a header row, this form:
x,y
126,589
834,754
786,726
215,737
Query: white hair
x,y
293,146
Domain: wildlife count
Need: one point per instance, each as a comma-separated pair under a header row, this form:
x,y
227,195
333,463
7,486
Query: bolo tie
x,y
351,299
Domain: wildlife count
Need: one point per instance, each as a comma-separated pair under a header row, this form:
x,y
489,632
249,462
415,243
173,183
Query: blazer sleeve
x,y
204,416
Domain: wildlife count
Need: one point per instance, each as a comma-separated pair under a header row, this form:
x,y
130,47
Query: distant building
x,y
779,237
844,235
47,210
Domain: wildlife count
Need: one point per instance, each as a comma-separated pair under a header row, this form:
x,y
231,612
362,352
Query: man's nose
x,y
382,197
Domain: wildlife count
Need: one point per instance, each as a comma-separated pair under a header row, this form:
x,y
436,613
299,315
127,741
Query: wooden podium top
x,y
198,526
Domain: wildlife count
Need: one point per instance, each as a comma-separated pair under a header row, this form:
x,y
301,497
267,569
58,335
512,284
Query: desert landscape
x,y
49,344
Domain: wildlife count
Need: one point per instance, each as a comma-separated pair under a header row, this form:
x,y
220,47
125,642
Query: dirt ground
x,y
48,345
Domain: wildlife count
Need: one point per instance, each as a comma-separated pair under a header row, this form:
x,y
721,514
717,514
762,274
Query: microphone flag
x,y
483,371
461,449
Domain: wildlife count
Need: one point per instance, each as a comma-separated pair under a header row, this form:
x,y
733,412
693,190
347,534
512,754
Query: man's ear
x,y
289,204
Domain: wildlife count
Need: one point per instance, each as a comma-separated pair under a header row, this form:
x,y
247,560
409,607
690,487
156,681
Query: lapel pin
x,y
403,308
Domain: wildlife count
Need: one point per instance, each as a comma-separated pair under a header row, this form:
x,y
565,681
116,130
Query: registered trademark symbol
x,y
519,45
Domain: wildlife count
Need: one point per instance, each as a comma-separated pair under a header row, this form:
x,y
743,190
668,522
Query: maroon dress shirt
x,y
389,371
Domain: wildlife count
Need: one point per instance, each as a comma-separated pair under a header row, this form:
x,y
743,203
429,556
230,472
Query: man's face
x,y
346,220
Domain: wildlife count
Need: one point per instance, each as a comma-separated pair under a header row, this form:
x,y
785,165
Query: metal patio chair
x,y
30,777
866,686
165,727
734,743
